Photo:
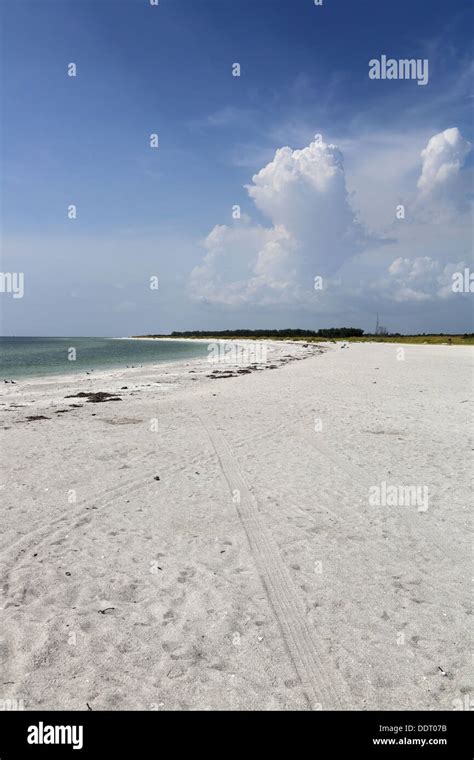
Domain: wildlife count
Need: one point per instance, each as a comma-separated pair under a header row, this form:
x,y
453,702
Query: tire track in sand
x,y
322,683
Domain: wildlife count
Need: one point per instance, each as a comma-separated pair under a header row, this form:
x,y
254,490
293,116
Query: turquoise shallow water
x,y
30,357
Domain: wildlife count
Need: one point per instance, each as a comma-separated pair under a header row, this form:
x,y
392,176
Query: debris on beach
x,y
34,417
215,375
97,397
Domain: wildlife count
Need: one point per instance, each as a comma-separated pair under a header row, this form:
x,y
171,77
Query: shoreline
x,y
145,376
105,371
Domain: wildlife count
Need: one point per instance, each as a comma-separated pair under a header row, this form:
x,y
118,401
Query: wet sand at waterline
x,y
212,543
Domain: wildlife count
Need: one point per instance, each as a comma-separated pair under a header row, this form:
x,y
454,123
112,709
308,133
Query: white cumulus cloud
x,y
442,160
421,278
313,230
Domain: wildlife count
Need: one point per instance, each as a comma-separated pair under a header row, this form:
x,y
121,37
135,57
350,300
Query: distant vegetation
x,y
332,332
353,334
456,340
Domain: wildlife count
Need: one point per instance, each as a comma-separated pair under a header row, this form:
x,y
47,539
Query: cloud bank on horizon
x,y
317,253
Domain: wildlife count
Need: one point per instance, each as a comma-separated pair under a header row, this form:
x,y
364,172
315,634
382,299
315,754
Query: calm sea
x,y
28,357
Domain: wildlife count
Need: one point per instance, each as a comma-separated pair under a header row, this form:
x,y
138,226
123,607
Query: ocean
x,y
30,357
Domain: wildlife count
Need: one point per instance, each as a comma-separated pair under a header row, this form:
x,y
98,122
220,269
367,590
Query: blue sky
x,y
142,212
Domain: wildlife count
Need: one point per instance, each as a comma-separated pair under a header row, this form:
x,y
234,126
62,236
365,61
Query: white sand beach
x,y
208,544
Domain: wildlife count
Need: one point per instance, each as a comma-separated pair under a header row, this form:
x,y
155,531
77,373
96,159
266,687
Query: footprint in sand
x,y
186,575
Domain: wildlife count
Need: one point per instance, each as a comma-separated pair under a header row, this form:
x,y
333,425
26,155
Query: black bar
x,y
157,734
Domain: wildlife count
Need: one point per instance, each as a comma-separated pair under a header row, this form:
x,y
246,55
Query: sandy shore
x,y
210,543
